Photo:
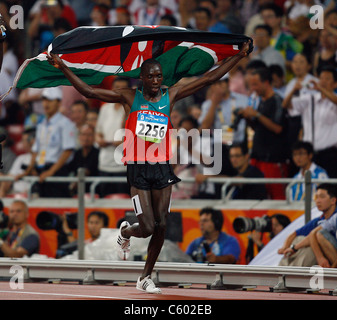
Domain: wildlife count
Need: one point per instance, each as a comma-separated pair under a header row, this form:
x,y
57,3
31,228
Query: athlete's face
x,y
152,78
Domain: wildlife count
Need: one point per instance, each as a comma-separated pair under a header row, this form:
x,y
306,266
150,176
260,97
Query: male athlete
x,y
147,129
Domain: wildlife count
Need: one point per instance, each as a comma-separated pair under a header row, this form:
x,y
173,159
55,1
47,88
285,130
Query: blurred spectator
x,y
168,20
18,167
278,79
111,119
186,13
8,155
186,165
321,129
298,86
53,147
215,24
42,17
30,100
270,146
150,13
21,239
283,42
96,220
326,54
61,25
100,15
302,153
226,14
202,18
296,248
78,115
239,157
92,116
82,8
263,50
219,112
251,11
214,246
86,156
278,222
123,17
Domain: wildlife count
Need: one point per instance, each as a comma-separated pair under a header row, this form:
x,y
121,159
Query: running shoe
x,y
147,285
123,243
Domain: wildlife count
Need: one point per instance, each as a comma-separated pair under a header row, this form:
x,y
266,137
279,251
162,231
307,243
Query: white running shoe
x,y
123,243
147,285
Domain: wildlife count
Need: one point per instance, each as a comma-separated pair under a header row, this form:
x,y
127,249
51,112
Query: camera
x,y
245,224
47,220
237,119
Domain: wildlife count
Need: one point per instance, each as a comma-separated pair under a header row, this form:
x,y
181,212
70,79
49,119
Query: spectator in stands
x,y
150,13
263,50
302,153
42,17
21,239
270,145
100,15
214,246
218,112
53,147
168,20
296,248
285,43
85,157
215,25
278,222
78,115
298,86
202,17
111,119
326,55
8,155
92,116
123,17
322,131
20,164
239,157
278,80
226,14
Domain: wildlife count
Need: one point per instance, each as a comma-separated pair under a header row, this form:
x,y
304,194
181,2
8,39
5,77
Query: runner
x,y
147,157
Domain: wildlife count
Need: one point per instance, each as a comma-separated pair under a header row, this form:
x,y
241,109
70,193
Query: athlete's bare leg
x,y
152,221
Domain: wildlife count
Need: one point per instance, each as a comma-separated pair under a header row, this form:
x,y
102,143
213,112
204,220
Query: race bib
x,y
151,128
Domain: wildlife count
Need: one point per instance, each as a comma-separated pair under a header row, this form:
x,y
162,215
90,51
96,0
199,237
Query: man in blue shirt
x,y
54,145
213,246
302,153
297,248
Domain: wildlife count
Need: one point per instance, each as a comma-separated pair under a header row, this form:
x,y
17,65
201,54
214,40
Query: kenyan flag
x,y
94,53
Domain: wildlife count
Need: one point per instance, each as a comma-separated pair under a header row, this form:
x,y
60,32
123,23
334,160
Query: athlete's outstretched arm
x,y
180,92
123,96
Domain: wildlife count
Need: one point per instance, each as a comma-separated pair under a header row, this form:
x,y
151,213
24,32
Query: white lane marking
x,y
68,295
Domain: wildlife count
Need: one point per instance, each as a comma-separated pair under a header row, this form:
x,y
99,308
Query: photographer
x,y
213,246
278,222
19,238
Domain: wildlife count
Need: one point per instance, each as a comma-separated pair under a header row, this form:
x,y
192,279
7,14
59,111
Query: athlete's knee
x,y
148,230
161,224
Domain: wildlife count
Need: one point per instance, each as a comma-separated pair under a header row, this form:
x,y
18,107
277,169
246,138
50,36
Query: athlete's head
x,y
151,75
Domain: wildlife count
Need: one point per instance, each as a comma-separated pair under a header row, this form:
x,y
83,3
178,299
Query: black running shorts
x,y
147,176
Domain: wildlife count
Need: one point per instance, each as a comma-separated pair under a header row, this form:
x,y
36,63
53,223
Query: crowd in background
x,y
284,92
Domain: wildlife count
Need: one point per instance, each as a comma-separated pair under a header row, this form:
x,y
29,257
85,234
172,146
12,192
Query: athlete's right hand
x,y
55,60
